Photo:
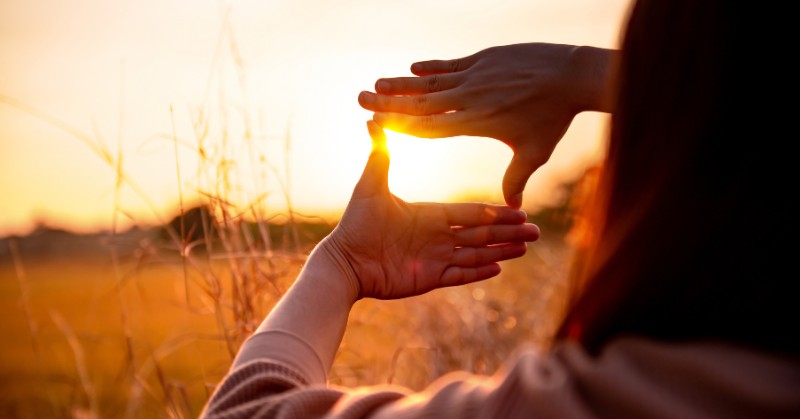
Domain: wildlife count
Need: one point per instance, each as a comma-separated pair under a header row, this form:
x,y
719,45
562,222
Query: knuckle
x,y
490,51
420,104
428,123
454,65
433,83
400,85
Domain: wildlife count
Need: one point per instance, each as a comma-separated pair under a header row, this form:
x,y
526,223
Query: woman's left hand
x,y
398,249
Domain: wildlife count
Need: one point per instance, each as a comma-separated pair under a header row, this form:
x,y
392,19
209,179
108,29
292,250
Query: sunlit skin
x,y
386,248
413,248
132,74
499,93
133,77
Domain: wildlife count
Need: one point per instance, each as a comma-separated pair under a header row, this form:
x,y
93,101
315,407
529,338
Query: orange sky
x,y
256,71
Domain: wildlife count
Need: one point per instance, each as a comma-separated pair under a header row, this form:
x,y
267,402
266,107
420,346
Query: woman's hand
x,y
397,249
525,95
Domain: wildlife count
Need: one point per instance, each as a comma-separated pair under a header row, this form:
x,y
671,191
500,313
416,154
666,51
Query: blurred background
x,y
167,165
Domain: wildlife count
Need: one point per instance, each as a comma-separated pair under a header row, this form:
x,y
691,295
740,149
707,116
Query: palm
x,y
398,249
411,253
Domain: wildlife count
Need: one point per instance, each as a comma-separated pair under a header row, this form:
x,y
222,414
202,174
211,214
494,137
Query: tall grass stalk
x,y
25,293
231,266
80,364
235,230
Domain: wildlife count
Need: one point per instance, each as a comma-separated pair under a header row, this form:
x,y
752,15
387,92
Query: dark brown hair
x,y
692,223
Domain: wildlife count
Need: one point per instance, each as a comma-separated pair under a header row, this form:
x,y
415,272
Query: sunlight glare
x,y
420,167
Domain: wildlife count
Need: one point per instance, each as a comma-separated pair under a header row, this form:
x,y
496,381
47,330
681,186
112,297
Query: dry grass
x,y
82,360
144,324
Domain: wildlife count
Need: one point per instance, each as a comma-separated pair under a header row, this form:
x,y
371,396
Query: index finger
x,y
424,68
474,214
416,85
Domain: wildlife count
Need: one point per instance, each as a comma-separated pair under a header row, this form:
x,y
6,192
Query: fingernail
x,y
382,86
415,67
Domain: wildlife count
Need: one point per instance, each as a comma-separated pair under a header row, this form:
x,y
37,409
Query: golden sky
x,y
266,90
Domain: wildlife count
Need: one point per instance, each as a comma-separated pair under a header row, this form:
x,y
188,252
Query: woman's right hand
x,y
524,95
387,248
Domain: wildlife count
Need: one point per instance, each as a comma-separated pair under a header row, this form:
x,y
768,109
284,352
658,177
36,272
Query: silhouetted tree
x,y
189,226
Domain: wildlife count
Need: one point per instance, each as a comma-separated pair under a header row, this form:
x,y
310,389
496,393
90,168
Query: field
x,y
124,326
144,323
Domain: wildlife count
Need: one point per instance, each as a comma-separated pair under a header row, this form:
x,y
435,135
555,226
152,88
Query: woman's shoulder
x,y
646,378
630,377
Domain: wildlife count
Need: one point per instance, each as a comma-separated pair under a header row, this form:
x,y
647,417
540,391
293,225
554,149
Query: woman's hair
x,y
691,222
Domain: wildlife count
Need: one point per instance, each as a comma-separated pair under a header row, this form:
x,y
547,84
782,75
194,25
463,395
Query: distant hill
x,y
195,223
53,242
189,228
48,242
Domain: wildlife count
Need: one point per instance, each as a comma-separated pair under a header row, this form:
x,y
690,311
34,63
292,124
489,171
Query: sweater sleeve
x,y
292,386
631,378
277,374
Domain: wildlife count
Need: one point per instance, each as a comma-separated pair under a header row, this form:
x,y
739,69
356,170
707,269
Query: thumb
x,y
375,178
515,179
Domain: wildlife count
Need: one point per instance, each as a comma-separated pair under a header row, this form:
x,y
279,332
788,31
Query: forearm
x,y
592,71
313,311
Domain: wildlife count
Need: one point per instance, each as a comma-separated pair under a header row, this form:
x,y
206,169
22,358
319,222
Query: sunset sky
x,y
87,82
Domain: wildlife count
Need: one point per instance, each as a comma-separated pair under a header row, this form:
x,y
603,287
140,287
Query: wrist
x,y
591,68
336,273
314,309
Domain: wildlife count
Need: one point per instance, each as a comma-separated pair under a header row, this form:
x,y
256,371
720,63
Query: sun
x,y
330,143
421,169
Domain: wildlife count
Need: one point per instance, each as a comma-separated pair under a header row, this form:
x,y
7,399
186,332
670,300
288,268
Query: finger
x,y
495,234
470,257
417,85
424,68
474,214
439,125
375,177
426,104
515,180
457,275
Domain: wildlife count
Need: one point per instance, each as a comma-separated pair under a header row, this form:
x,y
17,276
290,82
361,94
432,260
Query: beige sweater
x,y
277,375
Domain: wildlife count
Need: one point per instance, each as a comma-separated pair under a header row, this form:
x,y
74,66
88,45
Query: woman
x,y
682,306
